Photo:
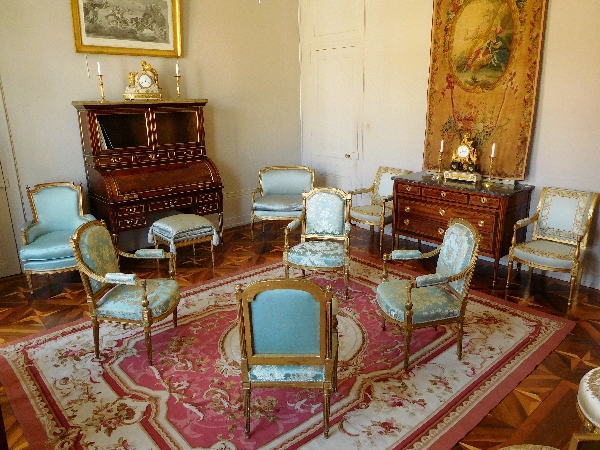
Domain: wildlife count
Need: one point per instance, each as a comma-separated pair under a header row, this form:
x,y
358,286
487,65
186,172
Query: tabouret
x,y
588,400
183,229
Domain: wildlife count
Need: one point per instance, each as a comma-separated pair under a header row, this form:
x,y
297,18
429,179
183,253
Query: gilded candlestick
x,y
489,183
101,88
178,77
438,175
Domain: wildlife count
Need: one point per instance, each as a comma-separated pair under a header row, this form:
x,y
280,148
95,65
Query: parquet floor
x,y
540,410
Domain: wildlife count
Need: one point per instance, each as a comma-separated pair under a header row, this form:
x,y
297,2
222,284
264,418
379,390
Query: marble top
x,y
427,178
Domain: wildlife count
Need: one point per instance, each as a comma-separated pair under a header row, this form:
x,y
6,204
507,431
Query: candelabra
x,y
489,182
101,88
438,175
178,77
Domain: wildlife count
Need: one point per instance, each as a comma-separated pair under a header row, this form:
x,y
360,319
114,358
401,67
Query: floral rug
x,y
191,398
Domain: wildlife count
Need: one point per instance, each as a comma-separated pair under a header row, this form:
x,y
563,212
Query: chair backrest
x,y
285,321
94,250
459,249
286,180
326,211
384,185
563,214
57,206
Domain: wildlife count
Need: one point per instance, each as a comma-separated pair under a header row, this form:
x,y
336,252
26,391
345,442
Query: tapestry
x,y
192,399
483,82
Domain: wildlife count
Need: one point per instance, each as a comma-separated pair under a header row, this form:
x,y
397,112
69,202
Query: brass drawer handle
x,y
442,211
440,230
483,200
114,159
443,194
481,223
406,221
407,209
407,188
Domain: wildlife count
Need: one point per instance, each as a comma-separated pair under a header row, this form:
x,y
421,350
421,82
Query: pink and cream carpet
x,y
191,397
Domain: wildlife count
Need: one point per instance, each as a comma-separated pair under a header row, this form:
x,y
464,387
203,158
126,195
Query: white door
x,y
331,42
9,262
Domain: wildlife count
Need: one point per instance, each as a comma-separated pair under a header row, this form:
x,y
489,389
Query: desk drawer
x,y
408,189
446,195
484,201
131,210
171,203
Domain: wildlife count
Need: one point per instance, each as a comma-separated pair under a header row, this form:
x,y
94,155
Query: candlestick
x,y
489,183
177,77
101,86
438,175
99,71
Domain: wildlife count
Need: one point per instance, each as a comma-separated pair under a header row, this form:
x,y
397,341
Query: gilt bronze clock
x,y
464,162
143,85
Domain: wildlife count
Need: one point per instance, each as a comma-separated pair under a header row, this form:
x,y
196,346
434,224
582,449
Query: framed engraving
x,y
127,27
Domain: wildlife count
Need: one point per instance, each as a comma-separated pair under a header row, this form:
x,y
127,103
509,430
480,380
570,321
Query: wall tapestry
x,y
483,80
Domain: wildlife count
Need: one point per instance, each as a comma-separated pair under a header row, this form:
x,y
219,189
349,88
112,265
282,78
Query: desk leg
x,y
221,227
496,265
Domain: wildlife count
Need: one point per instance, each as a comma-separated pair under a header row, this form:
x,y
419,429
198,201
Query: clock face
x,y
462,151
145,80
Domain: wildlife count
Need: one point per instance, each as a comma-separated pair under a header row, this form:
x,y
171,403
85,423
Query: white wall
x,y
240,55
565,148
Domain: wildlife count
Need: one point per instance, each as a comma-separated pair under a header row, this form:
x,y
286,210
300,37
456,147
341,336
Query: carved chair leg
x,y
382,322
148,337
459,339
510,267
407,338
326,407
175,318
252,227
96,333
247,411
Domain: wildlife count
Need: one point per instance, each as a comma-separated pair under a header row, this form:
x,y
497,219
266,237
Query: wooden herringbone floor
x,y
540,410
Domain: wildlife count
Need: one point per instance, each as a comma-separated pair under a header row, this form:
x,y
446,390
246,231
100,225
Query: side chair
x,y
435,299
558,242
379,212
113,296
57,210
279,195
288,338
325,238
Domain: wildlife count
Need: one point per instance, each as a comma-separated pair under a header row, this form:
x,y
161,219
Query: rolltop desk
x,y
423,205
145,157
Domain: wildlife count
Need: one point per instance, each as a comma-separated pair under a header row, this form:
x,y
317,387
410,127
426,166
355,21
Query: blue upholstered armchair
x,y
379,212
57,210
559,238
288,338
324,242
113,296
435,299
280,193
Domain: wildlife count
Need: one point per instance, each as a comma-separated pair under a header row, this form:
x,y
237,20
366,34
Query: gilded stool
x,y
588,401
183,229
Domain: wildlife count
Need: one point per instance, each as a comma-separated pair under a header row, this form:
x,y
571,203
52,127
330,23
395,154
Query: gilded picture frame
x,y
127,27
483,80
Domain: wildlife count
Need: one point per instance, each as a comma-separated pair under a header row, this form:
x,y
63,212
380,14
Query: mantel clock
x,y
143,85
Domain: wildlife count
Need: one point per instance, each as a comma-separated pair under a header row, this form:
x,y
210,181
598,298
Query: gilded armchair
x,y
279,196
324,242
558,242
57,210
434,299
288,338
379,212
113,296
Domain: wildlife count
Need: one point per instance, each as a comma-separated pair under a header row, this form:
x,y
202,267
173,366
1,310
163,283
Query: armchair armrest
x,y
150,253
527,221
31,230
293,225
405,255
121,278
361,190
431,279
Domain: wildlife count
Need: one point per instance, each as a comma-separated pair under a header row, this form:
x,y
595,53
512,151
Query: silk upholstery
x,y
436,298
558,241
116,296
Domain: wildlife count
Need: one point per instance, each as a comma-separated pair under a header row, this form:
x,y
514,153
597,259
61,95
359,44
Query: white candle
x,y
99,72
442,147
493,150
177,68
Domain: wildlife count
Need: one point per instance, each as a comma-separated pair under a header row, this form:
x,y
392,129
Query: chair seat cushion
x,y
588,396
279,373
370,213
54,245
125,302
278,203
317,254
430,303
546,253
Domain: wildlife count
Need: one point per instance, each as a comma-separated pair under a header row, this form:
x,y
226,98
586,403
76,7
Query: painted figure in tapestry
x,y
481,46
